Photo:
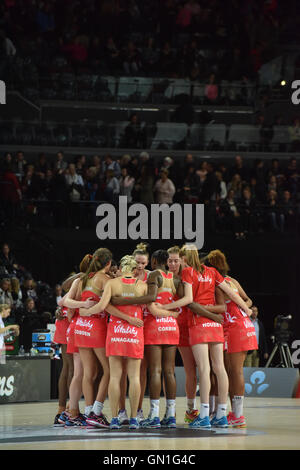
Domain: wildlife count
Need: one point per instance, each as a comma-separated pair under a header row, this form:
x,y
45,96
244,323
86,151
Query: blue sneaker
x,y
151,423
63,417
219,423
199,423
168,422
115,423
78,421
133,423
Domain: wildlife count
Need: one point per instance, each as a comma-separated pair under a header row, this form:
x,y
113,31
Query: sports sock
x,y
154,411
204,410
221,410
88,409
191,404
171,408
97,407
237,405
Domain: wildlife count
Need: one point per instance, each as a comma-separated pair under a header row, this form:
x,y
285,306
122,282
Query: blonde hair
x,y
174,250
141,249
4,307
127,264
190,252
218,260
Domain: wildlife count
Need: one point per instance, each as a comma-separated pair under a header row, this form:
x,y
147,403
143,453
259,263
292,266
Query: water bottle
x,y
21,350
33,351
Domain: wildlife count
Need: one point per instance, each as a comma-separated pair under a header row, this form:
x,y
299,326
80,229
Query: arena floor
x,y
272,424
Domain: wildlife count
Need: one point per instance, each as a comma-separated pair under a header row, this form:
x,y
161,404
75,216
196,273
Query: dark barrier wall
x,y
267,265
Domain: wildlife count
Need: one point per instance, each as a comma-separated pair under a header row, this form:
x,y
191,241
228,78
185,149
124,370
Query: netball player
x,y
66,374
206,337
60,337
174,265
123,341
72,416
161,337
90,334
240,337
141,257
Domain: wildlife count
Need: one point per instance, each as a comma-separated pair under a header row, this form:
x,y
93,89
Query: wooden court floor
x,y
272,424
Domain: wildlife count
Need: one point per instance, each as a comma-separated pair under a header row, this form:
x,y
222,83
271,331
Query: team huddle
x,y
132,321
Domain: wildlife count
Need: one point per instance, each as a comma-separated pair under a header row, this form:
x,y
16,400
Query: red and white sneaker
x,y
97,421
236,422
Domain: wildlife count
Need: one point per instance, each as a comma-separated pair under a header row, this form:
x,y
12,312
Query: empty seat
x,y
105,88
178,87
169,135
127,87
117,131
244,134
97,135
281,135
196,136
43,134
61,134
145,87
207,136
7,133
198,92
24,133
79,134
214,133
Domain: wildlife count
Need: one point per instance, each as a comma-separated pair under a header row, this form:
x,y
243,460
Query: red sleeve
x,y
219,278
187,275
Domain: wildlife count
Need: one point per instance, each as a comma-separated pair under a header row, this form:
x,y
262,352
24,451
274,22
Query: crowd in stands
x,y
240,196
33,303
199,39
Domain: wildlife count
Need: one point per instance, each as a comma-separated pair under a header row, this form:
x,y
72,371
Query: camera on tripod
x,y
282,335
282,330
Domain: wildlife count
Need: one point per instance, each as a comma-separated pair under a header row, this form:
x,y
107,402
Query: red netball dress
x,y
162,330
90,332
71,347
123,339
183,325
202,329
239,330
61,326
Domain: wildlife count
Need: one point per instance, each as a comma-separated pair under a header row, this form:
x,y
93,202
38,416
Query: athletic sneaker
x,y
115,423
124,420
219,423
168,422
97,421
56,422
151,422
80,420
133,423
236,422
190,415
200,423
140,415
63,417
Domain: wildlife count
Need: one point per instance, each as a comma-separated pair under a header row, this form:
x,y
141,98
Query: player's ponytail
x,y
99,260
217,259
